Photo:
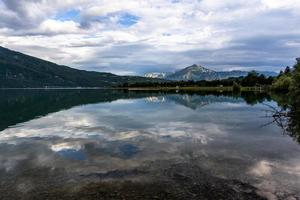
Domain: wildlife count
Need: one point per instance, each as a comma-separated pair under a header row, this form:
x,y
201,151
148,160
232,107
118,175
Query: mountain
x,y
18,70
197,72
194,72
156,75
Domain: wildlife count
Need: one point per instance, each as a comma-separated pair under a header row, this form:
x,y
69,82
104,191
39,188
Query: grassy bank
x,y
196,88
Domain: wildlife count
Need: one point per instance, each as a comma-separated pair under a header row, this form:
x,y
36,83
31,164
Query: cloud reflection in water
x,y
218,134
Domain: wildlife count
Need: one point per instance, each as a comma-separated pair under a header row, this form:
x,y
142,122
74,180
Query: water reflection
x,y
179,145
22,105
287,114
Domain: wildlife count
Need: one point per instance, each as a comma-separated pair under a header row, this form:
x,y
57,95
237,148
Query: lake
x,y
119,144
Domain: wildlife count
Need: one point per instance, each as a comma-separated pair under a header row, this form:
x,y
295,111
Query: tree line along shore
x,y
286,81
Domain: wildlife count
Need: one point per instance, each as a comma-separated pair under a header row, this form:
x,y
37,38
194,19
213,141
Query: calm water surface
x,y
107,144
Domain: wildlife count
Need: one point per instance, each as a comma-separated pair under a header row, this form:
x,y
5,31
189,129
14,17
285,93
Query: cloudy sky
x,y
139,36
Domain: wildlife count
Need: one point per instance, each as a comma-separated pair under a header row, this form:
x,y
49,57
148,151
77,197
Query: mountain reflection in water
x,y
115,144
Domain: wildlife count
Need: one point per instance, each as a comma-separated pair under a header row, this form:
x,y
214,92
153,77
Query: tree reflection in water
x,y
287,115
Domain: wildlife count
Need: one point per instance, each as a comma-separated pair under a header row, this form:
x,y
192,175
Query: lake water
x,y
113,144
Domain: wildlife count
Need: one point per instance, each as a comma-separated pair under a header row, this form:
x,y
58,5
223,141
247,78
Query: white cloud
x,y
66,146
166,35
51,26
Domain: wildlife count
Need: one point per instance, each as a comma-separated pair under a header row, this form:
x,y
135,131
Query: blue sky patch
x,y
124,19
73,15
128,20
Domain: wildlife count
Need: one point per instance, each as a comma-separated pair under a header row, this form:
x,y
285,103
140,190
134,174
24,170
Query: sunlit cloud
x,y
65,146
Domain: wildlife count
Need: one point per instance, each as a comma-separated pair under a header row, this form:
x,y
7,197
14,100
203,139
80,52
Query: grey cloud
x,y
267,39
265,51
21,17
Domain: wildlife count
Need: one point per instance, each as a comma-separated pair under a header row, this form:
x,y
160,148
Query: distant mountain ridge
x,y
156,75
18,70
197,72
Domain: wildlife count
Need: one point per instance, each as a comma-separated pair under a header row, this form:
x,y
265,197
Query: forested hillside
x,y
18,70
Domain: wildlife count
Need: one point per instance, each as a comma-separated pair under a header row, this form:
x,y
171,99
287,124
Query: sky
x,y
133,37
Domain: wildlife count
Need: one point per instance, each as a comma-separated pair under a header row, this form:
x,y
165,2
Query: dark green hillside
x,y
20,70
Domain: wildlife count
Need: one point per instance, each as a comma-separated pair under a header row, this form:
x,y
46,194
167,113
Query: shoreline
x,y
196,88
58,88
191,88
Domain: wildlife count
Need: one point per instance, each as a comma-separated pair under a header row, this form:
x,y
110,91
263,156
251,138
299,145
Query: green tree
x,y
282,83
292,116
236,87
295,84
287,70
